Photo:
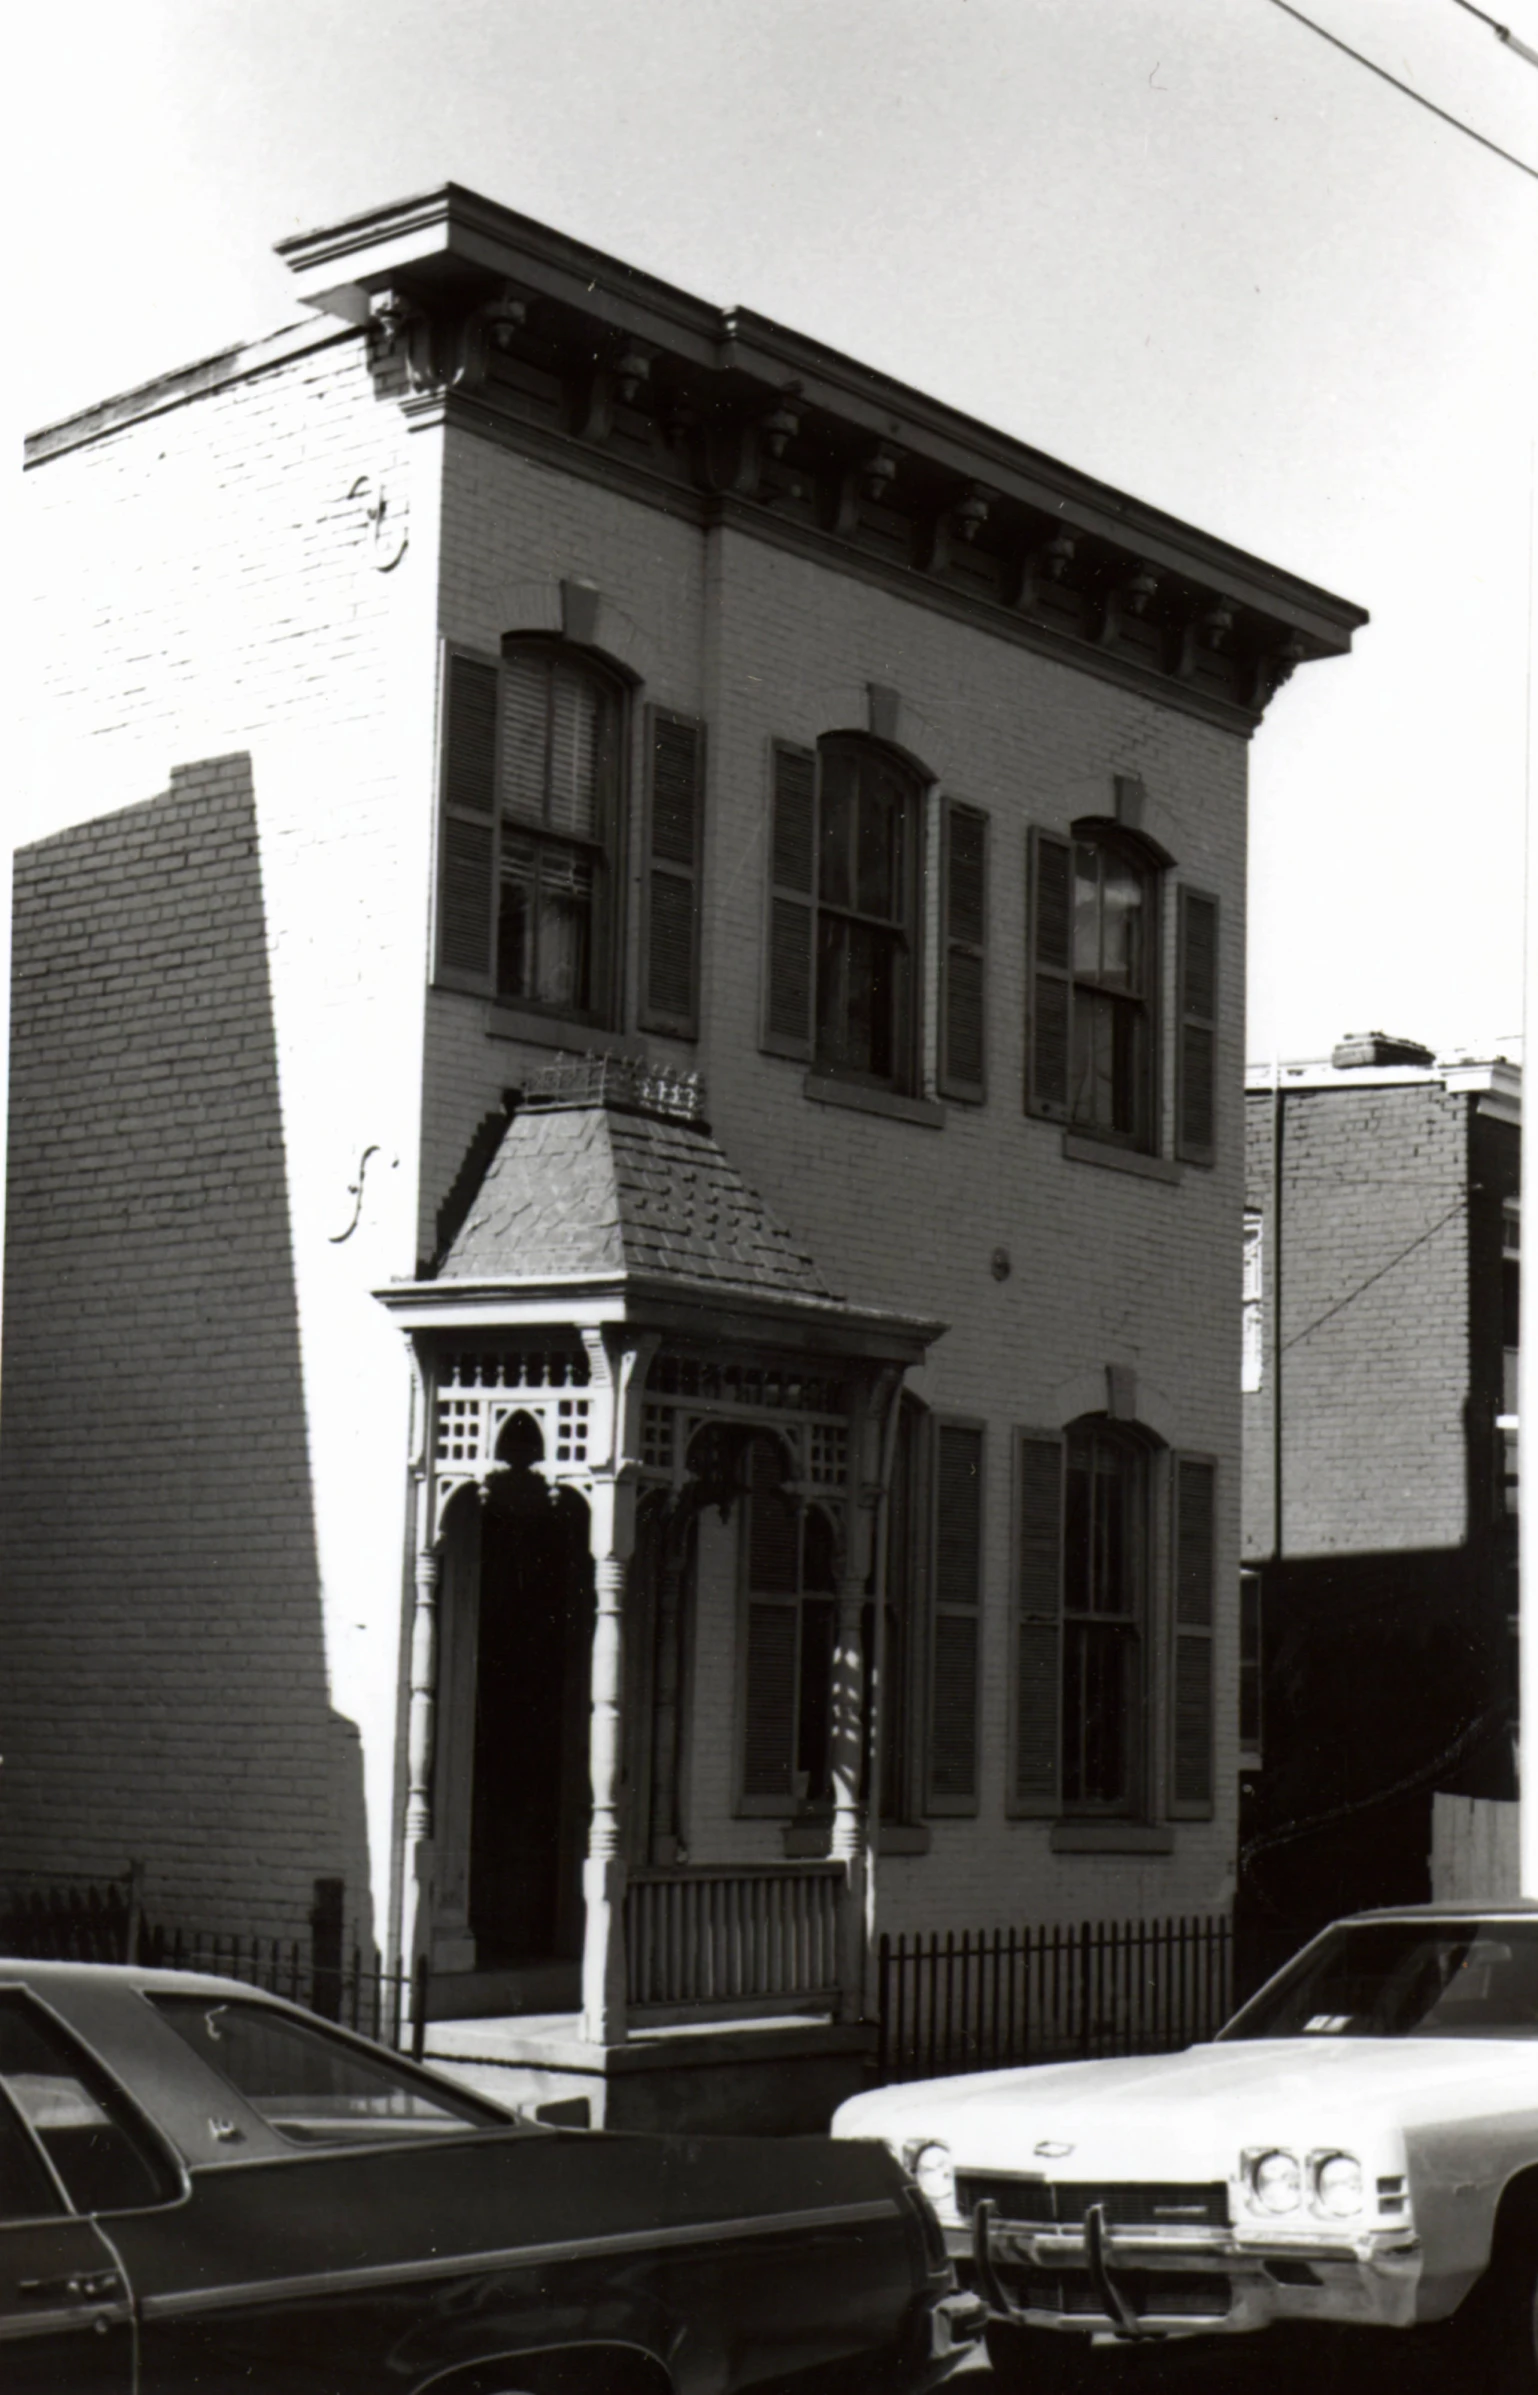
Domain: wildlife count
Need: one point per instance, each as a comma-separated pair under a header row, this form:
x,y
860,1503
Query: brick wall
x,y
1375,1320
164,1672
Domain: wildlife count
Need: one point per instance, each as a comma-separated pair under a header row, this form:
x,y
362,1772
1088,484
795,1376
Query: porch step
x,y
515,1989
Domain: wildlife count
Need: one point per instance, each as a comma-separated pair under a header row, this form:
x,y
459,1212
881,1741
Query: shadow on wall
x,y
163,1687
1387,1678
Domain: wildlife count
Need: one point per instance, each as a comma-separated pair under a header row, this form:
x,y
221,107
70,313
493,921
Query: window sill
x,y
903,1837
1112,1837
1080,1150
812,1839
828,1090
552,1031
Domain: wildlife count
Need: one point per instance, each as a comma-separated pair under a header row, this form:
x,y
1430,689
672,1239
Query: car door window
x,y
314,2088
28,2190
106,2159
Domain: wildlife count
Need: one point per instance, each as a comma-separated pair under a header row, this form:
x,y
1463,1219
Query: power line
x,y
1352,1295
1408,89
1502,32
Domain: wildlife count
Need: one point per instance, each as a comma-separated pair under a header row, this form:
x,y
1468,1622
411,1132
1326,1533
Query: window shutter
x,y
1191,1768
1196,1062
1051,975
769,1700
956,1580
1039,1623
675,807
467,846
792,899
964,912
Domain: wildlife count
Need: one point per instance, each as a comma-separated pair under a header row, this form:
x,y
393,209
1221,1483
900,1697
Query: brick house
x,y
1379,1591
626,1167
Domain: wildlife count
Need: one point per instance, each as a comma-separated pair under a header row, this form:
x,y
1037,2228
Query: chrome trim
x,y
16,2325
515,2257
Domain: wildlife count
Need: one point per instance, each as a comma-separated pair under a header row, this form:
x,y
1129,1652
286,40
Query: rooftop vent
x,y
1378,1047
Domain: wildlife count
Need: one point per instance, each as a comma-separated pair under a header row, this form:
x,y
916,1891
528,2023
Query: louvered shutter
x,y
792,904
670,960
955,1632
1196,1060
964,905
1038,1623
468,833
1051,975
1191,1764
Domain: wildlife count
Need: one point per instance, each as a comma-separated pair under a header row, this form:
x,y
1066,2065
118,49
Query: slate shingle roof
x,y
602,1189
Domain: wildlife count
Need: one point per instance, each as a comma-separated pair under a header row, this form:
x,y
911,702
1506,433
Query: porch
x,y
618,1356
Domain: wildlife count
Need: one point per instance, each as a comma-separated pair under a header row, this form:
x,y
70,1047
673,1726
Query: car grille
x,y
1152,2294
1126,2204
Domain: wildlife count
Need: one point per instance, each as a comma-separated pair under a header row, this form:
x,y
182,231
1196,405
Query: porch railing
x,y
701,1936
977,2000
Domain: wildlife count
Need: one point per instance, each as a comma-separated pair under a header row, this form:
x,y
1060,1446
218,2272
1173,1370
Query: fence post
x,y
326,1949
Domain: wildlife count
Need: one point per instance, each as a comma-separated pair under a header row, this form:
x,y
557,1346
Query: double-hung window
x,y
529,863
791,1615
1093,980
1108,1607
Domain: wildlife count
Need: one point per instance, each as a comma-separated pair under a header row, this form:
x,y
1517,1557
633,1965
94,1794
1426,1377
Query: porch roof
x,y
609,1198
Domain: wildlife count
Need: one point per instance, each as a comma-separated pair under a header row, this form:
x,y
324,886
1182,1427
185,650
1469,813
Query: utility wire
x,y
1352,1295
1492,1718
1408,89
1502,32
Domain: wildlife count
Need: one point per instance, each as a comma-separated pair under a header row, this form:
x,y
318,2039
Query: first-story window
x,y
1109,1613
791,1616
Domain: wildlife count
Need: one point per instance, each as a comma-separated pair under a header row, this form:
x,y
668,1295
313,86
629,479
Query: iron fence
x,y
986,1999
58,1917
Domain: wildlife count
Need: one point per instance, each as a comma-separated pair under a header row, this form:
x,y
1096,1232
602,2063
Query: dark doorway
x,y
531,1795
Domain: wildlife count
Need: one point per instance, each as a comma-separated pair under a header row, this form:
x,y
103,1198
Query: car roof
x,y
1461,1908
81,1975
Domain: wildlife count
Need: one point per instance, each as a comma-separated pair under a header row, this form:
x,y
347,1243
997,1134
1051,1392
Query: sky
x,y
1189,246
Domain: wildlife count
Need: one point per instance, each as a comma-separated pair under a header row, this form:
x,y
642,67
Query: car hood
x,y
1188,2116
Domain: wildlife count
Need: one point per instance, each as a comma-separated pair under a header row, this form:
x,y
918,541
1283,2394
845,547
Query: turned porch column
x,y
618,1359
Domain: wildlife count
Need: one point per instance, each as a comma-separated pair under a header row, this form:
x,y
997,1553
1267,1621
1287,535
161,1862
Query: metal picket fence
x,y
972,2000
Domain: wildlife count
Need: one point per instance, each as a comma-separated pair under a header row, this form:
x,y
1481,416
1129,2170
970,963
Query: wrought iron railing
x,y
977,2000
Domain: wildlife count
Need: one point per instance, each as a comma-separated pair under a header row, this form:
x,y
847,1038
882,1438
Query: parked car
x,y
202,2187
1359,2145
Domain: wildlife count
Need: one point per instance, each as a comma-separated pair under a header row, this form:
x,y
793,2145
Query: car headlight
x,y
1337,2188
928,2163
1273,2180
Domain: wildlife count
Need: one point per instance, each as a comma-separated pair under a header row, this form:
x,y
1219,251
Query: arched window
x,y
533,807
843,972
1094,976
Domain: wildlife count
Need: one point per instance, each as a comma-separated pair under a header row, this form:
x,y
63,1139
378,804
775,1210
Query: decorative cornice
x,y
723,414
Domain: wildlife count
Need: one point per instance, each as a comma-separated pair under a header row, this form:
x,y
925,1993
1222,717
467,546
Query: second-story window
x,y
843,964
1093,977
533,787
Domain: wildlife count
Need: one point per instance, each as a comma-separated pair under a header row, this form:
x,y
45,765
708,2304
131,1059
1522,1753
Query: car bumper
x,y
1139,2282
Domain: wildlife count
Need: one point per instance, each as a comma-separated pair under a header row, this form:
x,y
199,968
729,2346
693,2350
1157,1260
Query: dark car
x,y
203,2188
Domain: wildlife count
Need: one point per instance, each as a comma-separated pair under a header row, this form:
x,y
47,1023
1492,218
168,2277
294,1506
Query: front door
x,y
530,1790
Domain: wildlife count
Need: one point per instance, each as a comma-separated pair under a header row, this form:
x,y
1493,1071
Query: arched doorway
x,y
530,1793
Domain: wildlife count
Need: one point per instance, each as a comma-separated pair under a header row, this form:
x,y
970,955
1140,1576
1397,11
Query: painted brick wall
x,y
1108,1268
210,579
1375,1320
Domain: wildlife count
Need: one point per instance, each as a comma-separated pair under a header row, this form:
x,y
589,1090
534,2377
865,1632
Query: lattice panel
x,y
827,1454
570,1427
658,1437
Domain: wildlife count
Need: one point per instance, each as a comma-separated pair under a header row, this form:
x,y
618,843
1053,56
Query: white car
x,y
1360,2145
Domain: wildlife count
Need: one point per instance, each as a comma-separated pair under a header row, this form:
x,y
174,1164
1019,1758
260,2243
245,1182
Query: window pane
x,y
26,2190
525,703
563,934
577,743
1086,910
838,801
879,861
105,2160
515,919
861,989
1098,1673
309,2086
1110,1589
1121,957
1076,1533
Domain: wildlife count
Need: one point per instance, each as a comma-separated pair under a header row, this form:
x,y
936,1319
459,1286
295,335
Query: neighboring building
x,y
492,716
1382,1200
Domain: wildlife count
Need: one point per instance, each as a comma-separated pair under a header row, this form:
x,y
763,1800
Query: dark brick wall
x,y
163,1689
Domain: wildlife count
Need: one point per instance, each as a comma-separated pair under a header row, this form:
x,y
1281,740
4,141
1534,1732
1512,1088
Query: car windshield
x,y
315,2088
1404,1979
